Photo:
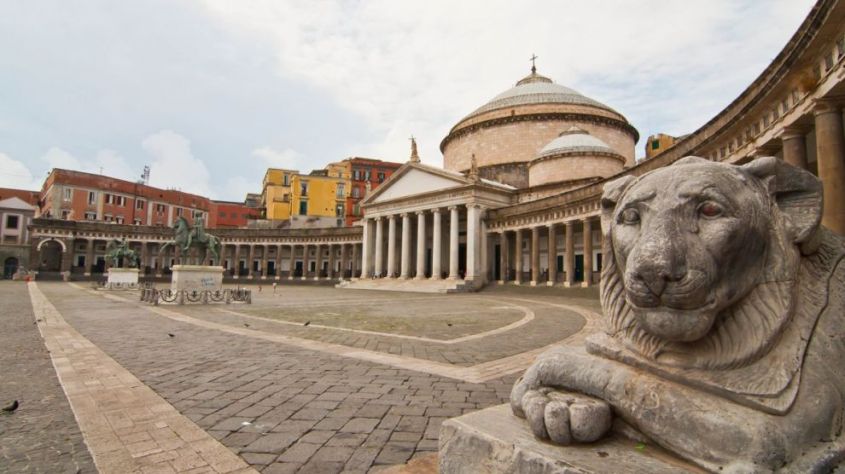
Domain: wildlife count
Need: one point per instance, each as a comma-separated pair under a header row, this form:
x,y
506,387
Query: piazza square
x,y
557,290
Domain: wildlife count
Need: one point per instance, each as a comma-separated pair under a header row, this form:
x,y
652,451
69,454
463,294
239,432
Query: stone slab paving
x,y
42,435
127,426
280,407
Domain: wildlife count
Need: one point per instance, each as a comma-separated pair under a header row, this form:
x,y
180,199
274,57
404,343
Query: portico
x,y
435,231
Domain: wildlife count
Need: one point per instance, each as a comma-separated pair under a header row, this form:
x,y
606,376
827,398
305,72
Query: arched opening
x,y
10,267
50,256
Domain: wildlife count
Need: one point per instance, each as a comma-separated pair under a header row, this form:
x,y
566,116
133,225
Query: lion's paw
x,y
565,418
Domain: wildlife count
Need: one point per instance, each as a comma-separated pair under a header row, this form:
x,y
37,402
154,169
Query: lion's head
x,y
702,258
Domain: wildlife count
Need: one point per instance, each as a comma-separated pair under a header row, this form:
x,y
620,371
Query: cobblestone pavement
x,y
42,435
283,408
549,324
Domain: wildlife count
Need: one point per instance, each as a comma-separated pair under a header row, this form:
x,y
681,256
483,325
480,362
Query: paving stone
x,y
299,452
360,425
271,443
347,439
317,436
281,468
395,452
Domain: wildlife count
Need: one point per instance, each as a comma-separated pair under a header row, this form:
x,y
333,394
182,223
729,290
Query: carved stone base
x,y
122,279
196,277
494,440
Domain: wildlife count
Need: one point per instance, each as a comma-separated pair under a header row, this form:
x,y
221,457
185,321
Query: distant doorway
x,y
579,268
10,267
298,268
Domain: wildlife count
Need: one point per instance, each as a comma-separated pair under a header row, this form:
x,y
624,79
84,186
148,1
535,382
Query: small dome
x,y
536,89
575,140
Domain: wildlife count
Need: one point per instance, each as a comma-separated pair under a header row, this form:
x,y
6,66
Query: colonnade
x,y
830,158
412,259
511,245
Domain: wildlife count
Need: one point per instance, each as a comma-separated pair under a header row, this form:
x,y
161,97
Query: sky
x,y
210,93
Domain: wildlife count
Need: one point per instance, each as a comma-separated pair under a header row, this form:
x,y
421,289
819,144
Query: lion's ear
x,y
612,191
798,194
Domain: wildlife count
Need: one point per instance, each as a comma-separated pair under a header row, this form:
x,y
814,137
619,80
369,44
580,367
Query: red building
x,y
361,172
80,196
231,214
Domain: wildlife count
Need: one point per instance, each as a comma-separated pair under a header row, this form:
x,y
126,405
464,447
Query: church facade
x,y
518,198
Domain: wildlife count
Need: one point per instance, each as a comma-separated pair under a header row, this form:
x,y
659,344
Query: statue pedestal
x,y
122,279
196,277
494,440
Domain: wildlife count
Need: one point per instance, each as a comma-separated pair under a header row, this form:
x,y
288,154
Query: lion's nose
x,y
656,279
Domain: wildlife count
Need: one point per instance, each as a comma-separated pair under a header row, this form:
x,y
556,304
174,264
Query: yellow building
x,y
322,193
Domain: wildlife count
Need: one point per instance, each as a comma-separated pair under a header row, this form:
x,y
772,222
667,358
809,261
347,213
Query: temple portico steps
x,y
411,285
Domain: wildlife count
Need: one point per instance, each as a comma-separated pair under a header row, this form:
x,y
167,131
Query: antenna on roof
x,y
145,176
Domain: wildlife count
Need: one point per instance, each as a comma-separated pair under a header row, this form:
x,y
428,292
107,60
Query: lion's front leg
x,y
560,416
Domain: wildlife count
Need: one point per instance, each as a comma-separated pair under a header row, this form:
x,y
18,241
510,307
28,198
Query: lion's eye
x,y
710,209
630,216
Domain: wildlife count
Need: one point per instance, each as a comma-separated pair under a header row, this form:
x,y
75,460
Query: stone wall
x,y
572,167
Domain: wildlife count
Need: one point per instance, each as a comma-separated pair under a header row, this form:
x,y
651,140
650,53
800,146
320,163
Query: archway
x,y
50,256
10,266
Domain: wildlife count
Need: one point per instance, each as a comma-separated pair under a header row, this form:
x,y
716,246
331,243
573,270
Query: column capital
x,y
391,217
378,218
569,224
405,215
826,106
452,208
790,132
419,213
436,210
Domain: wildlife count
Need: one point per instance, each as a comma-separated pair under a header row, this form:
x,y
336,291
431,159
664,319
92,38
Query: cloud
x,y
106,162
419,67
287,158
14,174
174,166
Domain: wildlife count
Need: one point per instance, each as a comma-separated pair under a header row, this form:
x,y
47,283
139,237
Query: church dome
x,y
575,140
536,89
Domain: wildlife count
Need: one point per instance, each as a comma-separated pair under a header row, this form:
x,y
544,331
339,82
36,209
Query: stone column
x,y
794,147
89,257
278,262
265,257
588,253
535,255
517,257
160,258
569,254
237,263
391,247
379,244
331,262
482,231
343,261
304,261
830,156
437,245
406,246
250,271
552,256
142,262
473,242
355,262
67,256
365,249
292,264
503,257
420,245
318,261
454,223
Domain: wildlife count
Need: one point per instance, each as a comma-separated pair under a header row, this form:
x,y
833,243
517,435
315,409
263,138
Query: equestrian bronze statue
x,y
187,238
118,250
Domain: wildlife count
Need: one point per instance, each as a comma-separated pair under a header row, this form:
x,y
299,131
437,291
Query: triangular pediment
x,y
16,203
415,180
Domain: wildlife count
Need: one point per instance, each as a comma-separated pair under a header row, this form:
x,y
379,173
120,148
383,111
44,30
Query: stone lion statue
x,y
724,320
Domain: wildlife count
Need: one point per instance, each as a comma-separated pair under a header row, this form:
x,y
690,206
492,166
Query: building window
x,y
119,219
90,216
303,208
160,208
356,175
139,204
339,210
68,194
356,192
179,212
303,188
340,190
11,222
137,221
381,177
655,144
840,47
92,197
367,175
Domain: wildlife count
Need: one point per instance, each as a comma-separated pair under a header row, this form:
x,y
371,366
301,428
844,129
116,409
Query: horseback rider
x,y
197,233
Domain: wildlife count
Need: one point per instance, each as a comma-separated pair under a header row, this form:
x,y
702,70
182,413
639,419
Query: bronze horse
x,y
187,238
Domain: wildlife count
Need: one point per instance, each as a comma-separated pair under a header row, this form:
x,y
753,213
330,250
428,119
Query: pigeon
x,y
246,325
171,334
14,406
449,324
307,323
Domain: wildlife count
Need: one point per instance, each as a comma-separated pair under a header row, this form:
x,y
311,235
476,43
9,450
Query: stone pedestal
x,y
122,278
196,277
494,440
